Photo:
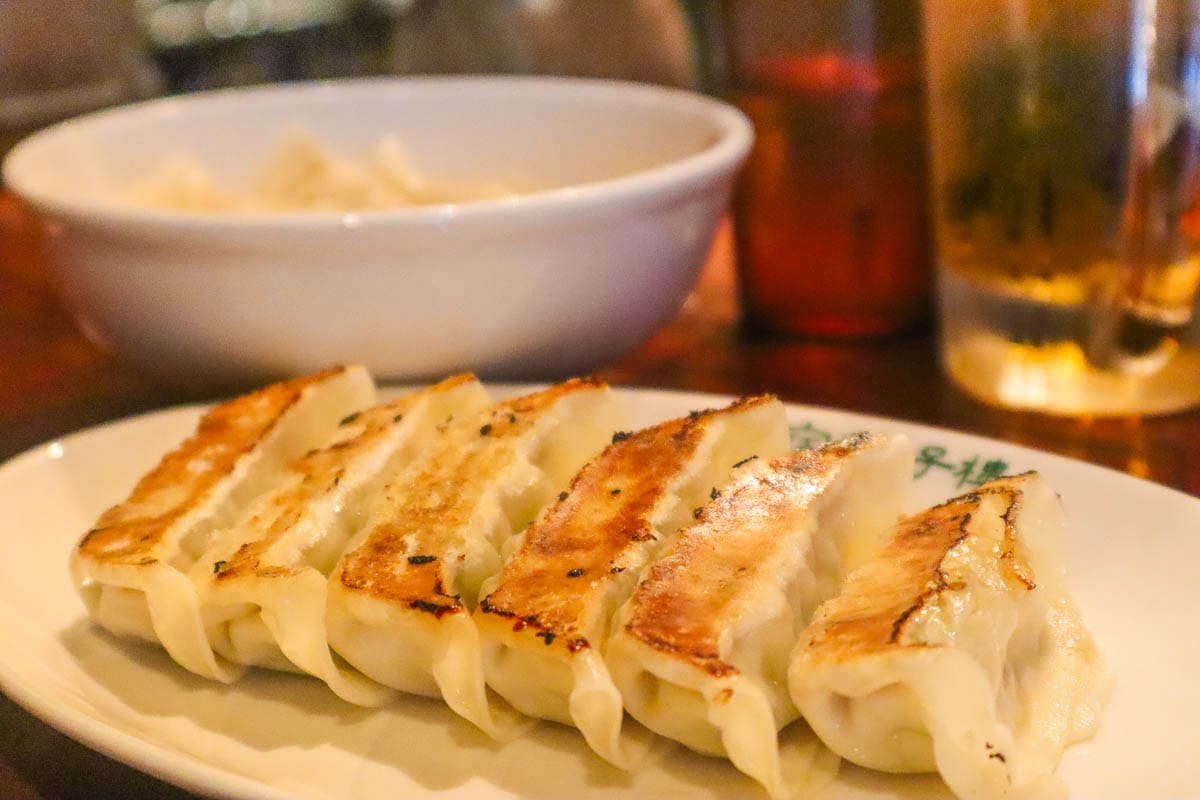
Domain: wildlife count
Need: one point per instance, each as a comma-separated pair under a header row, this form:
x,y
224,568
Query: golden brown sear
x,y
318,472
873,612
131,532
693,592
555,584
409,557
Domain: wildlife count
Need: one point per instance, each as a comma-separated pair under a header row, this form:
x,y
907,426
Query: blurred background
x,y
204,43
65,57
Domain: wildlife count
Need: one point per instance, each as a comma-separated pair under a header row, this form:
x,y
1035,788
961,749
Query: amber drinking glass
x,y
1066,154
831,211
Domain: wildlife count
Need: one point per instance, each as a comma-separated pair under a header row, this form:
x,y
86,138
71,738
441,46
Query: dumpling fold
x,y
400,599
262,583
695,581
544,619
131,569
958,649
701,650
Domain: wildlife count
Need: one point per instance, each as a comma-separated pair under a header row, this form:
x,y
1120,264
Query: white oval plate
x,y
1134,547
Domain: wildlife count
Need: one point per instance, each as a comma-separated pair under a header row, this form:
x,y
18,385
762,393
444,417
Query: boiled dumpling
x,y
700,651
958,649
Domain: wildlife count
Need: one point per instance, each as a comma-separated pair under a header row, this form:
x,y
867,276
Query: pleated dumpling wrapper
x,y
262,584
957,648
131,568
544,619
400,599
700,651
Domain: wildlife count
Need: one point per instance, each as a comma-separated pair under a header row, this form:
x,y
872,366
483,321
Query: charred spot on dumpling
x,y
643,533
88,536
486,606
438,610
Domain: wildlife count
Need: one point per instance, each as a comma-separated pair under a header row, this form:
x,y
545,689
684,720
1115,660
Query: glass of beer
x,y
1065,152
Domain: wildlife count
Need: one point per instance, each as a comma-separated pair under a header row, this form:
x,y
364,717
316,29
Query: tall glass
x,y
1065,153
831,210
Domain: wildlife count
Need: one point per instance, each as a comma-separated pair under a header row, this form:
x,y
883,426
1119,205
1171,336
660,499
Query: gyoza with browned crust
x,y
957,648
131,568
700,651
544,618
262,583
400,599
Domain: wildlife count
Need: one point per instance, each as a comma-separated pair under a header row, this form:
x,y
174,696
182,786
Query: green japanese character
x,y
930,456
806,436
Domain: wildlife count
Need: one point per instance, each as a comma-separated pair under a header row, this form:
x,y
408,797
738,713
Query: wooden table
x,y
53,381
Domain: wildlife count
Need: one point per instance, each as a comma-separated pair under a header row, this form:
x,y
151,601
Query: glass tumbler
x,y
831,212
1065,144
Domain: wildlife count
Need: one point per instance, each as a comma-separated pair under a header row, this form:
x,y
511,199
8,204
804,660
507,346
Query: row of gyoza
x,y
530,558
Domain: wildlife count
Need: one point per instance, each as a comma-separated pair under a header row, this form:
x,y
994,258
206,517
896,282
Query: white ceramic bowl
x,y
620,188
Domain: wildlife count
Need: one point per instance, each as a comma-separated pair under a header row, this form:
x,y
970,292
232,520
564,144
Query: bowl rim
x,y
735,135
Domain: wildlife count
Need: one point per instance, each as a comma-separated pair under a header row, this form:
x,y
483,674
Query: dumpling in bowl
x,y
700,651
958,649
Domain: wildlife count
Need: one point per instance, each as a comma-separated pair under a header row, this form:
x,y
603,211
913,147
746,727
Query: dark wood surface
x,y
54,381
